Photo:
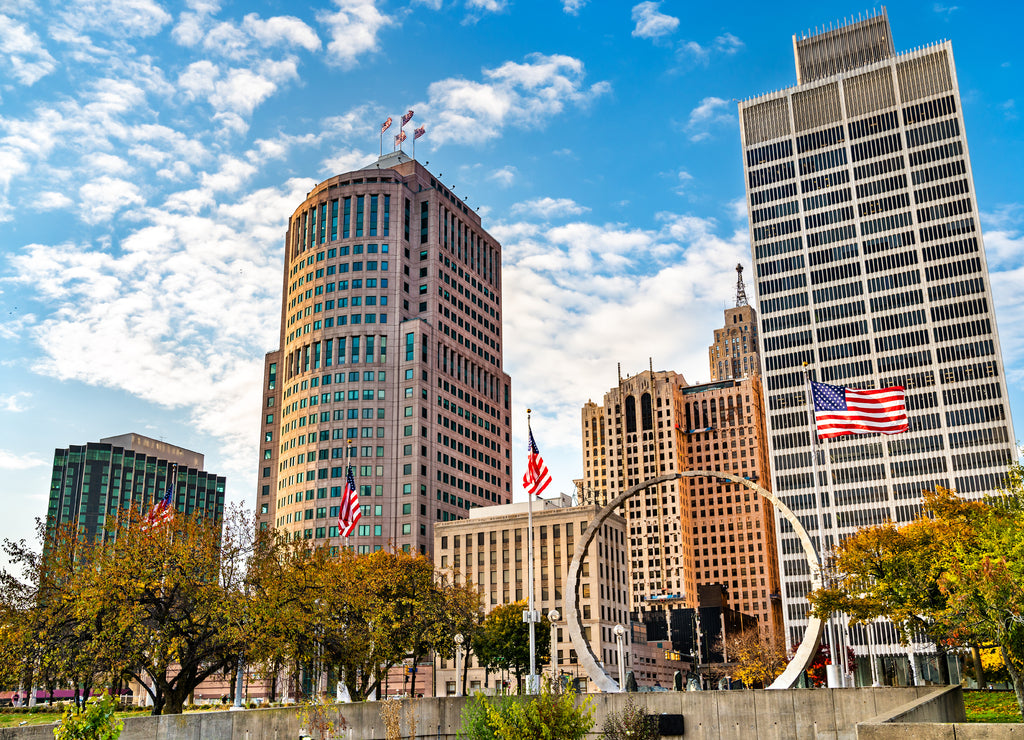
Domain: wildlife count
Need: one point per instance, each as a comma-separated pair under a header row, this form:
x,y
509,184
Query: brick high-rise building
x,y
693,532
870,267
734,353
390,359
95,481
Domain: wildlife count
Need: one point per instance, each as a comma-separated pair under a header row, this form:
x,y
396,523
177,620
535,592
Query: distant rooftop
x,y
157,448
841,49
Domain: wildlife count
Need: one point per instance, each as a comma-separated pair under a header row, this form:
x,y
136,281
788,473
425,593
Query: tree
x,y
757,661
956,573
503,640
894,572
97,722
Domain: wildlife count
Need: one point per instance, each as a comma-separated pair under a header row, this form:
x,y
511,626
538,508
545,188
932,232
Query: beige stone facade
x,y
489,549
734,353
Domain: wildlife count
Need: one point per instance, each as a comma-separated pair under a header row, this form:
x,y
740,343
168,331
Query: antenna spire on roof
x,y
741,291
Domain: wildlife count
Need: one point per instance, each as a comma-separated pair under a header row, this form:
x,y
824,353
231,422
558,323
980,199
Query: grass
x,y
991,706
48,718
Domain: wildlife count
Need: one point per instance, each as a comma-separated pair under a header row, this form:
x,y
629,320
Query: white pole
x,y
530,684
553,617
620,639
833,675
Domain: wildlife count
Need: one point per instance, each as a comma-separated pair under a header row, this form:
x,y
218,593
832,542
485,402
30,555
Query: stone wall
x,y
798,714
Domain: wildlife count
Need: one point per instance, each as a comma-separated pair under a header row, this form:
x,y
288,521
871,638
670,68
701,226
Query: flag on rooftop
x,y
386,125
839,410
163,510
406,118
399,138
419,132
537,477
349,511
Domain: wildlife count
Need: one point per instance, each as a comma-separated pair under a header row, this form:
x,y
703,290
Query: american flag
x,y
839,410
349,511
163,510
386,125
399,138
537,477
419,132
406,118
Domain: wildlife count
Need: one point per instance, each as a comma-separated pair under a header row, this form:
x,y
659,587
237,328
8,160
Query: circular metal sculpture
x,y
812,635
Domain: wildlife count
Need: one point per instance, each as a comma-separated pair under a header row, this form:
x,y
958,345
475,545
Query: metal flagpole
x,y
830,668
529,617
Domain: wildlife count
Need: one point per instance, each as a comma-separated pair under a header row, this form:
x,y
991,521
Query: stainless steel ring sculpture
x,y
804,655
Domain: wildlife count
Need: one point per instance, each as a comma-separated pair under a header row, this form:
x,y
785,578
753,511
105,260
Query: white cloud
x,y
13,461
726,44
22,53
353,30
14,402
115,17
547,208
521,94
281,30
651,23
345,160
711,112
51,200
572,7
103,197
492,6
504,176
602,294
683,180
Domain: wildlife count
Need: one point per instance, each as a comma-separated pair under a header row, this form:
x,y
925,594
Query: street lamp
x,y
620,638
459,639
553,617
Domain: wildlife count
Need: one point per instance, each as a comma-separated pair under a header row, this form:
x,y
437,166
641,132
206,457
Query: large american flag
x,y
406,118
536,478
839,410
349,511
163,510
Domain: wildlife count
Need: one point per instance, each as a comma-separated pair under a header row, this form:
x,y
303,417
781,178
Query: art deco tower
x,y
390,359
870,267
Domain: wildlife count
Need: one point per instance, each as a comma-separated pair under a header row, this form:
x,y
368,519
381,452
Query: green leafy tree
x,y
503,640
957,573
97,722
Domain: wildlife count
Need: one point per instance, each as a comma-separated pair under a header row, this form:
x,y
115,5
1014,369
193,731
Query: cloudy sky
x,y
151,151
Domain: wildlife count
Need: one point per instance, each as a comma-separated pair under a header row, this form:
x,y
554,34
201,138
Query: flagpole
x,y
531,688
809,390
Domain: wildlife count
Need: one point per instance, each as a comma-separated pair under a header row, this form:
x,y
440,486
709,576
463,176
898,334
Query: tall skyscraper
x,y
389,360
93,483
871,269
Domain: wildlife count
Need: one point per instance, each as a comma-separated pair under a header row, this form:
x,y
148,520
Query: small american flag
x,y
349,512
419,132
537,477
839,410
399,138
406,118
386,125
163,510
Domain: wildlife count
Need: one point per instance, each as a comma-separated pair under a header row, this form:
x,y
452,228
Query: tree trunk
x,y
1018,680
979,669
944,677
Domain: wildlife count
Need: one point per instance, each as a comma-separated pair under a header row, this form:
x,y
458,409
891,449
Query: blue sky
x,y
151,152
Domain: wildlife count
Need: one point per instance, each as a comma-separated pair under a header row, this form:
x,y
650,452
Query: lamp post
x,y
553,617
620,638
459,639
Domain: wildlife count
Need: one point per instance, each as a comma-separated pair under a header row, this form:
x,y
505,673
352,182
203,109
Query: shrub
x,y
551,715
95,723
632,722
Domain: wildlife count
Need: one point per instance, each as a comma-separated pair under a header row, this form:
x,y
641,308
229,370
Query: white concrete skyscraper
x,y
870,267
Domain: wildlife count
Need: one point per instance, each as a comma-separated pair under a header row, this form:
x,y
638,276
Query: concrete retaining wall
x,y
937,717
798,714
